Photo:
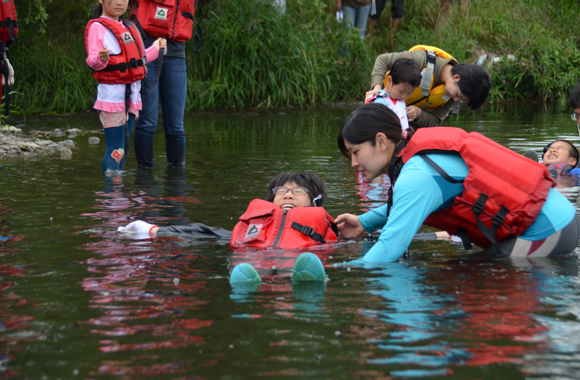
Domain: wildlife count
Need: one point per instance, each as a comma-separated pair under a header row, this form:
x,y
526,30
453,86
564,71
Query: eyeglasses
x,y
575,116
281,190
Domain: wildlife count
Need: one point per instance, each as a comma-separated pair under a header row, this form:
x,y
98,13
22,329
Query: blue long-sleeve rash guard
x,y
420,190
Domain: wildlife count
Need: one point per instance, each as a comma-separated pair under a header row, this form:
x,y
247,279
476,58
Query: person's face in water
x,y
559,151
291,200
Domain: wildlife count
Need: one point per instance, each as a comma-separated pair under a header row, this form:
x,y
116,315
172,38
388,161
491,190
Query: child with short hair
x,y
402,80
560,157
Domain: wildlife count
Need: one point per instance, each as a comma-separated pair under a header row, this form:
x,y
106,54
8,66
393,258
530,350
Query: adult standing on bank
x,y
173,21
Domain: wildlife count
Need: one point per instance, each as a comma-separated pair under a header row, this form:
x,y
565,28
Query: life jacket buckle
x,y
479,205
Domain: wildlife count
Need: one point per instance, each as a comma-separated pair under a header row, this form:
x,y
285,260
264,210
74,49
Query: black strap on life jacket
x,y
159,68
478,208
123,66
308,231
11,25
497,220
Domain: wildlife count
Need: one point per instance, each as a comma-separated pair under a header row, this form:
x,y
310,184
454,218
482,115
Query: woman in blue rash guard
x,y
463,183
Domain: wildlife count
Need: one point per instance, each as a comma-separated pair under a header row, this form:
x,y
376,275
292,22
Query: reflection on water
x,y
79,300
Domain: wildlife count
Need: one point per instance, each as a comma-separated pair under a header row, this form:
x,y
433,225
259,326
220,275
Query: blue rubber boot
x,y
308,267
244,273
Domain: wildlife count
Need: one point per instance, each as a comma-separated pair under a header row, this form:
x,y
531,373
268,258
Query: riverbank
x,y
15,143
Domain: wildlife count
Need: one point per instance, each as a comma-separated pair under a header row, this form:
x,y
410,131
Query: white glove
x,y
137,227
10,74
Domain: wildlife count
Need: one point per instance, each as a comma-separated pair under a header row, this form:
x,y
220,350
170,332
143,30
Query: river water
x,y
78,300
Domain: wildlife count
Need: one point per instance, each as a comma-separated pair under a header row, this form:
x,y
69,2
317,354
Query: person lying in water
x,y
292,216
559,157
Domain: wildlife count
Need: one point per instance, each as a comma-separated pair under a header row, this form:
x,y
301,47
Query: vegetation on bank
x,y
253,56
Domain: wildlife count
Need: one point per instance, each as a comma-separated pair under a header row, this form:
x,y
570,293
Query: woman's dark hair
x,y
308,180
474,83
365,122
406,70
575,97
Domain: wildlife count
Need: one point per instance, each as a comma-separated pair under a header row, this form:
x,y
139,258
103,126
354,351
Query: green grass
x,y
253,56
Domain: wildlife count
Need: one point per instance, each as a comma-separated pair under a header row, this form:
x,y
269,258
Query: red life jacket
x,y
171,19
128,66
265,224
503,192
8,22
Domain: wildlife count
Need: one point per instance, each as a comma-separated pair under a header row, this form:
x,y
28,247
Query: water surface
x,y
78,300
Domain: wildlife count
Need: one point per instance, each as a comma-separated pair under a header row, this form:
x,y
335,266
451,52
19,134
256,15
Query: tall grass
x,y
253,56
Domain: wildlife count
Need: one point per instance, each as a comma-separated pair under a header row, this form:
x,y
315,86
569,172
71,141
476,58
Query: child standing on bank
x,y
402,80
117,55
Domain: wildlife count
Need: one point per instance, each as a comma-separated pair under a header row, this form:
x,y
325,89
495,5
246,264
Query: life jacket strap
x,y
462,233
427,73
497,220
308,231
123,66
11,25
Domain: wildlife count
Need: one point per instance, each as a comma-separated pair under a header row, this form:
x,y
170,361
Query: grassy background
x,y
254,57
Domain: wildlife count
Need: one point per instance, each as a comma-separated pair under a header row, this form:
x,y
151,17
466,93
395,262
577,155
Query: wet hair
x,y
406,70
308,180
575,97
572,150
474,83
365,122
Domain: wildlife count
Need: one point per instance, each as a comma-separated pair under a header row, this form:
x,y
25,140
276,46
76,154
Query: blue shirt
x,y
420,191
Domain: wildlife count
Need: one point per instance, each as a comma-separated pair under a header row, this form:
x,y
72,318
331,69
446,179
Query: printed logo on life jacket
x,y
253,231
161,13
7,1
127,38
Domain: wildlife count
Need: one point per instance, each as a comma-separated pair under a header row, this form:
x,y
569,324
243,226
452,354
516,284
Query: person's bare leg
x,y
394,24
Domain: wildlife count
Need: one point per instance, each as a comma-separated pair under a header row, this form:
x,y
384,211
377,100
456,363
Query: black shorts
x,y
396,8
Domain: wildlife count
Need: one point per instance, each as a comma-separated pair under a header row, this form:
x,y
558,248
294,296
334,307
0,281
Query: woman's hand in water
x,y
351,227
104,54
374,91
413,113
161,43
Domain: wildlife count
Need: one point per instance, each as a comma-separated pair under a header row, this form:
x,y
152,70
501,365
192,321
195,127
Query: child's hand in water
x,y
161,43
104,54
351,227
138,227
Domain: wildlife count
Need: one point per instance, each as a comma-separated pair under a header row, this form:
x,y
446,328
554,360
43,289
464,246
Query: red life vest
x,y
265,224
503,192
128,66
8,22
171,19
